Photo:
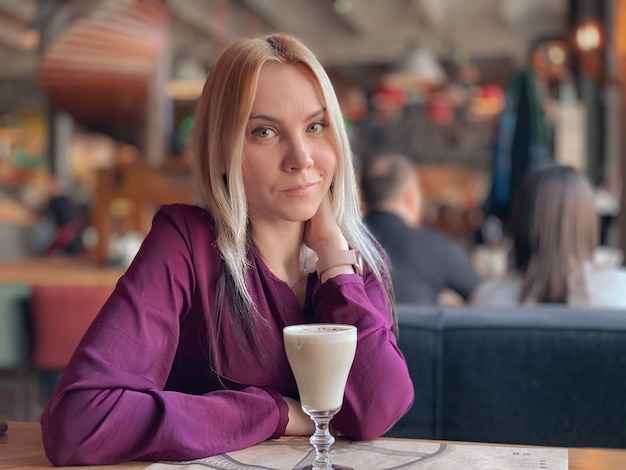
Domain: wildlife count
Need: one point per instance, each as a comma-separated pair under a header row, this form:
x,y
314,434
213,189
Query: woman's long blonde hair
x,y
219,134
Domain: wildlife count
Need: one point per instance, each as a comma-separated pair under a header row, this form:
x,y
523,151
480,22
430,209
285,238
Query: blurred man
x,y
423,262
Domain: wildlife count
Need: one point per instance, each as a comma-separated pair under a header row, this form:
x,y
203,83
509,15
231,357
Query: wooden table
x,y
58,271
21,448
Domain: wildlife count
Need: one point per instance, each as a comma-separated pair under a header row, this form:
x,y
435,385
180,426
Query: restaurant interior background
x,y
99,95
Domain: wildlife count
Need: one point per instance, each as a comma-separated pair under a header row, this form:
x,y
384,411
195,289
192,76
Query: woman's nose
x,y
298,155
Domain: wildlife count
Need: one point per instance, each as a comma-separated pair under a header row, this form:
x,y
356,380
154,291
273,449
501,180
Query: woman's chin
x,y
303,213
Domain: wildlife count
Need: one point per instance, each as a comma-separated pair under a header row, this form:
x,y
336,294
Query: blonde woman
x,y
186,358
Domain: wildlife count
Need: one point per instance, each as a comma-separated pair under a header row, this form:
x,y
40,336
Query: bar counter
x,y
58,271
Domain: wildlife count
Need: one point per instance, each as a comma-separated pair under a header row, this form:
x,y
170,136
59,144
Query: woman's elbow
x,y
68,439
59,445
383,416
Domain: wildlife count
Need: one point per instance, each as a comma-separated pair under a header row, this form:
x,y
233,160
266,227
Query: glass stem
x,y
322,439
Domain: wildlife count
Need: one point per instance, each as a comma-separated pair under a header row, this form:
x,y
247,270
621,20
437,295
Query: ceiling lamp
x,y
589,41
588,36
188,80
419,68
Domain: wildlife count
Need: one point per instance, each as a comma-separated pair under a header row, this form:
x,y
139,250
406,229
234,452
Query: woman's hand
x,y
321,232
299,424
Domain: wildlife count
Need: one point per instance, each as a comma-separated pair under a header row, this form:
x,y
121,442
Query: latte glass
x,y
320,356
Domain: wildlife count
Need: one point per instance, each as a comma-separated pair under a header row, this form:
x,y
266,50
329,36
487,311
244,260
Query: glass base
x,y
321,440
332,466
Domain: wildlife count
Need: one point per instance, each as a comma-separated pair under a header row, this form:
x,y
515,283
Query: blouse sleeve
x,y
379,390
110,405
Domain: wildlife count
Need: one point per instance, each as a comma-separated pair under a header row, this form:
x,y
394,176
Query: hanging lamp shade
x,y
102,65
419,68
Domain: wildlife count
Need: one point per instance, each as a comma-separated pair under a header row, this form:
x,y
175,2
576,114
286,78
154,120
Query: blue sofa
x,y
547,375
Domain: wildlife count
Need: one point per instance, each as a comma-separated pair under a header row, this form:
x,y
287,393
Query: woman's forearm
x,y
86,426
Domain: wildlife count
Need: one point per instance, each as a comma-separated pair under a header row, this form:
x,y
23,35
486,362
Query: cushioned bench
x,y
546,375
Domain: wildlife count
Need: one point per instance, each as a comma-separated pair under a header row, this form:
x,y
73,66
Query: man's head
x,y
390,183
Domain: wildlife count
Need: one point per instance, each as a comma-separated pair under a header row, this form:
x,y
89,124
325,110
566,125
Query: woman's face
x,y
289,152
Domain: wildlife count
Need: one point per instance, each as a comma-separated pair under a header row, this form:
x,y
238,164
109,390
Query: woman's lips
x,y
301,190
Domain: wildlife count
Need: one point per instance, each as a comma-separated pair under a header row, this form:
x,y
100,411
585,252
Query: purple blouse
x,y
140,385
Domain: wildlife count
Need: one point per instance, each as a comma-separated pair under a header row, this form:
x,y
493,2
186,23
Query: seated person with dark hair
x,y
63,212
423,261
554,233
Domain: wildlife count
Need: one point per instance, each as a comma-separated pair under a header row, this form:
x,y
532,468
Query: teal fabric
x,y
13,298
522,140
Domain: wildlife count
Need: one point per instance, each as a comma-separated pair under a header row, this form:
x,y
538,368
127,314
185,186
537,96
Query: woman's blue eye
x,y
263,132
317,126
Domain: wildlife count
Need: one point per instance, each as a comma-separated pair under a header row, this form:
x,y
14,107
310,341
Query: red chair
x,y
60,315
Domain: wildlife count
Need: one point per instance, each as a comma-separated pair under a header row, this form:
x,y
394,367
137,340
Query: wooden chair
x,y
147,187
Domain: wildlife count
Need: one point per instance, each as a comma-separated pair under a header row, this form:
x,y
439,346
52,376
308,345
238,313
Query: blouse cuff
x,y
340,279
283,412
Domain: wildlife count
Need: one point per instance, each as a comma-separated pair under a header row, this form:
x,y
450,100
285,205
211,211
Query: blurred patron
x,y
424,262
63,212
554,231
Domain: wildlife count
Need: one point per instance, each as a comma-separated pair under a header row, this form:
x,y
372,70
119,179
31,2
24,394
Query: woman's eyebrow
x,y
274,119
316,113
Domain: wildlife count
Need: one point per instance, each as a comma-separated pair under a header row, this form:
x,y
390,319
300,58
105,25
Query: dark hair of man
x,y
383,177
